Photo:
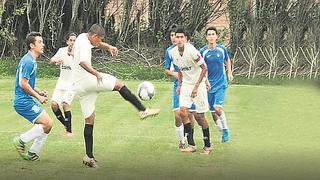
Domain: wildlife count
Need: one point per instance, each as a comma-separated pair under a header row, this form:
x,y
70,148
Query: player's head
x,y
71,38
35,43
181,36
96,34
211,35
172,33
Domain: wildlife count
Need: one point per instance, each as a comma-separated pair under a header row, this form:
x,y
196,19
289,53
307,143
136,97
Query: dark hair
x,y
211,28
172,28
31,38
71,34
181,29
97,29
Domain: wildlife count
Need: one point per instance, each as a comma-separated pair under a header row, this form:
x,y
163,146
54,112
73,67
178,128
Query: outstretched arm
x,y
113,50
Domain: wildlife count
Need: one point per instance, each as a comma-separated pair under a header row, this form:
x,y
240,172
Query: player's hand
x,y
230,77
43,93
114,51
99,79
175,75
58,61
178,90
42,99
194,91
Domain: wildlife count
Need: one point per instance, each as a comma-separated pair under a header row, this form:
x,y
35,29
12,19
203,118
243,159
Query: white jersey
x,y
189,63
64,80
81,53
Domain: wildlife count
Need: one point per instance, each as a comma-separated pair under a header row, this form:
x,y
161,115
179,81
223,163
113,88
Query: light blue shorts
x,y
216,98
30,110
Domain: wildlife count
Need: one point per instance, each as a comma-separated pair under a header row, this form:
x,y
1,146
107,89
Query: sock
x,y
219,124
127,95
67,115
180,134
187,132
59,116
88,139
33,133
224,121
206,137
38,142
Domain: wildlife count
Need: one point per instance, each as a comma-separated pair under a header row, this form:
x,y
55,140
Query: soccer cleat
x,y
31,157
90,162
182,145
149,113
67,134
225,136
206,150
19,147
190,148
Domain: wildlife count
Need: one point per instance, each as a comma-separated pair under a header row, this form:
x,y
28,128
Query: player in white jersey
x,y
217,58
88,83
191,88
62,96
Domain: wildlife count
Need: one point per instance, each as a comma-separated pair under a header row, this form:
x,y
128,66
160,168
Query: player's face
x,y
211,36
96,40
173,38
38,45
71,41
181,39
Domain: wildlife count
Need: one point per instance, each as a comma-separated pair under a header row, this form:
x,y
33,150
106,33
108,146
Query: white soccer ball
x,y
146,91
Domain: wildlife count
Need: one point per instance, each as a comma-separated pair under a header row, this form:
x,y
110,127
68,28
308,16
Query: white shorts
x,y
201,100
59,96
88,90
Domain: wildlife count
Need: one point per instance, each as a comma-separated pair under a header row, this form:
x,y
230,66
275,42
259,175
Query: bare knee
x,y
90,119
66,107
178,121
218,110
118,85
54,105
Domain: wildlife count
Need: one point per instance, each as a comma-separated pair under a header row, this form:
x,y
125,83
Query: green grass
x,y
274,135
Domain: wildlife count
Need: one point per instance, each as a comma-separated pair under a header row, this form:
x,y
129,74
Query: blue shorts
x,y
216,98
29,110
175,100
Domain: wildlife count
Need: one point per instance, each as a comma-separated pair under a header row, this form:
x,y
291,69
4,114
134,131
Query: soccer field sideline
x,y
265,143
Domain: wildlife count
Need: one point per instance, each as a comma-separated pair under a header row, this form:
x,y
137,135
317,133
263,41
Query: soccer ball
x,y
146,91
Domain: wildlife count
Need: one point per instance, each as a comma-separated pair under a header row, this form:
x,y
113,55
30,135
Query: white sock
x,y
180,133
224,121
219,125
33,133
38,142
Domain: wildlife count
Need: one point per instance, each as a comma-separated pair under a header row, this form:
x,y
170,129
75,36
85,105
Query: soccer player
x,y
88,82
191,88
62,95
217,58
172,70
24,102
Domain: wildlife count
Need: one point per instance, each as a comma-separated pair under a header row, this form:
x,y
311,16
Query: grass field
x,y
274,135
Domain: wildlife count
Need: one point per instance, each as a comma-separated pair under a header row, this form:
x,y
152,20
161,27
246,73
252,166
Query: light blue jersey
x,y
24,103
215,59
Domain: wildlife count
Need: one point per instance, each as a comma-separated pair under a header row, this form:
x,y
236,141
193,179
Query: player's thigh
x,y
211,100
201,100
44,119
57,96
185,99
87,103
219,97
30,110
108,82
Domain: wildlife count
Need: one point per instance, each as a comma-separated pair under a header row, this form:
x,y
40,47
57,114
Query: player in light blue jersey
x,y
24,102
217,58
172,70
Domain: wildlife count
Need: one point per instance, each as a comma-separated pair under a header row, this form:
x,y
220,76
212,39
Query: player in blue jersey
x,y
24,102
172,70
217,58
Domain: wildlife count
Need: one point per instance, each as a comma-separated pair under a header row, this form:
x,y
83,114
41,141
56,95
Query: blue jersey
x,y
168,63
215,59
27,68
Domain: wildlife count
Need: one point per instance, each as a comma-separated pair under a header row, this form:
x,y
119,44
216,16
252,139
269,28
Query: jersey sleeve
x,y
226,57
26,69
84,53
196,56
167,60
